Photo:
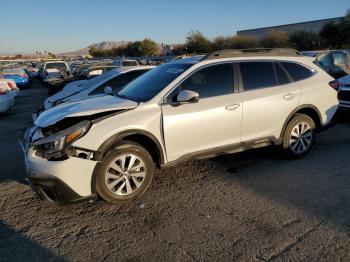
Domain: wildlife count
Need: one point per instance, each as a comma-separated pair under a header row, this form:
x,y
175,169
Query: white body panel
x,y
207,124
266,110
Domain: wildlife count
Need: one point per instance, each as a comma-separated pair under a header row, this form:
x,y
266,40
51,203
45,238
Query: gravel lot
x,y
252,206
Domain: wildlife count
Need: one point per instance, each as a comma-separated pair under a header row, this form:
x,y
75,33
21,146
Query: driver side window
x,y
211,81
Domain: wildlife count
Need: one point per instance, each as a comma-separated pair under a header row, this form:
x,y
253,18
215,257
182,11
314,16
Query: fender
x,y
119,136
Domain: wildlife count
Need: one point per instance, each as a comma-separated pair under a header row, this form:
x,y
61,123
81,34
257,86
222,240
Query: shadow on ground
x,y
15,247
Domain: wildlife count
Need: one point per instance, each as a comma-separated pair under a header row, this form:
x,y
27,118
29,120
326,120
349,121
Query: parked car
x,y
109,82
10,86
53,69
95,70
335,62
7,99
125,62
344,91
19,75
194,108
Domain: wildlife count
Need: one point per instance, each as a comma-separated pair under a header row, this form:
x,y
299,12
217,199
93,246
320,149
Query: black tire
x,y
290,149
126,147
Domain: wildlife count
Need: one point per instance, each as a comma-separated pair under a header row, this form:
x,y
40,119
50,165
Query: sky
x,y
68,25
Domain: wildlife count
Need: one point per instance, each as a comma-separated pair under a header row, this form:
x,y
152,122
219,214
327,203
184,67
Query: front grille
x,y
344,95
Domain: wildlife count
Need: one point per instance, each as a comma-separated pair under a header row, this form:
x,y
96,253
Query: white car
x,y
225,102
10,86
115,79
53,69
7,96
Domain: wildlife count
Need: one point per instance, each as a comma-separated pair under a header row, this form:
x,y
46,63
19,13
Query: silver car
x,y
191,108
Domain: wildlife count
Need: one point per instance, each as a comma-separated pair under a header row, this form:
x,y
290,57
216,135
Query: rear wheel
x,y
125,173
299,136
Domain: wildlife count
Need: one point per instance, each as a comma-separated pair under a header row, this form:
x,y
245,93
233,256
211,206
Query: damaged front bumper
x,y
62,181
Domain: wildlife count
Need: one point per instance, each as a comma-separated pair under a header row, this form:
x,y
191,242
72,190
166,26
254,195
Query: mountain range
x,y
101,45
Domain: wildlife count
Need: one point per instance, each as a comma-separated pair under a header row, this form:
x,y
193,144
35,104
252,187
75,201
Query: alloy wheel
x,y
125,174
301,138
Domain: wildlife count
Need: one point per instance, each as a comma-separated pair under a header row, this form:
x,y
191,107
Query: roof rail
x,y
228,53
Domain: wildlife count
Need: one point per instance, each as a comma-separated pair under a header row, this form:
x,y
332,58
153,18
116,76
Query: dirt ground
x,y
252,206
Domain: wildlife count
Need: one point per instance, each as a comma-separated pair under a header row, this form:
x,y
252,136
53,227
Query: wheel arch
x,y
308,110
141,137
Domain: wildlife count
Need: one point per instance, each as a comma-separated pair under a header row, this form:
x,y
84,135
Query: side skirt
x,y
224,150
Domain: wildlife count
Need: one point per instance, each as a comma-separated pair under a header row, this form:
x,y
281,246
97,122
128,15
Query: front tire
x,y
125,173
299,136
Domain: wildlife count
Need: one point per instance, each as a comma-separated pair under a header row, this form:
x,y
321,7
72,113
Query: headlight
x,y
50,146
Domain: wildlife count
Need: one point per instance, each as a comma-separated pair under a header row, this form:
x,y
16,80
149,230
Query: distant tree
x,y
235,42
331,34
148,47
196,42
275,39
18,56
304,40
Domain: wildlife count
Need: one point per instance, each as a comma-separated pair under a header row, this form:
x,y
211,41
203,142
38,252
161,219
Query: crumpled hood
x,y
68,90
82,108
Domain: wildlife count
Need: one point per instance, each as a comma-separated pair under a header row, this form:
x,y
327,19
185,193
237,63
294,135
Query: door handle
x,y
232,107
289,96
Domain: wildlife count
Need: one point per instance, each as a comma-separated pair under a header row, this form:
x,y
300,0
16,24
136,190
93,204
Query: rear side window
x,y
282,78
296,71
118,82
256,75
211,81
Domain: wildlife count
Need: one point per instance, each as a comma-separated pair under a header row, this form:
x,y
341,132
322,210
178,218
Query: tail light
x,y
334,84
10,85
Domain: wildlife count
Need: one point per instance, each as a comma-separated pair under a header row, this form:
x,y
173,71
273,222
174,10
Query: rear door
x,y
268,96
213,122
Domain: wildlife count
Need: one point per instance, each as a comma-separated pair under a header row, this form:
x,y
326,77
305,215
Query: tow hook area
x,y
83,153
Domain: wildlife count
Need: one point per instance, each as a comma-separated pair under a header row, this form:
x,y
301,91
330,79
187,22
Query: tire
x,y
115,184
299,136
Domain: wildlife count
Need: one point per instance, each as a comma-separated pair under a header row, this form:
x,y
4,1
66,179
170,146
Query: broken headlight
x,y
52,146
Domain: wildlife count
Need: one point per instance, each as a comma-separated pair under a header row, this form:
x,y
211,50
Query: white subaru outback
x,y
192,108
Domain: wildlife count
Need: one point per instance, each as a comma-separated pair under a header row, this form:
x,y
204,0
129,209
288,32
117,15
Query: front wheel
x,y
299,136
125,173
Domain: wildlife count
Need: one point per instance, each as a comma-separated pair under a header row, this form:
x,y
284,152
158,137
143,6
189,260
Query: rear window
x,y
55,65
256,75
297,71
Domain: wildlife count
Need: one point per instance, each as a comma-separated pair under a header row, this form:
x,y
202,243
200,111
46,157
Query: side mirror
x,y
108,90
187,96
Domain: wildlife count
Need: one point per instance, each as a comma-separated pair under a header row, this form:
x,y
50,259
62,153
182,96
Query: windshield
x,y
151,83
